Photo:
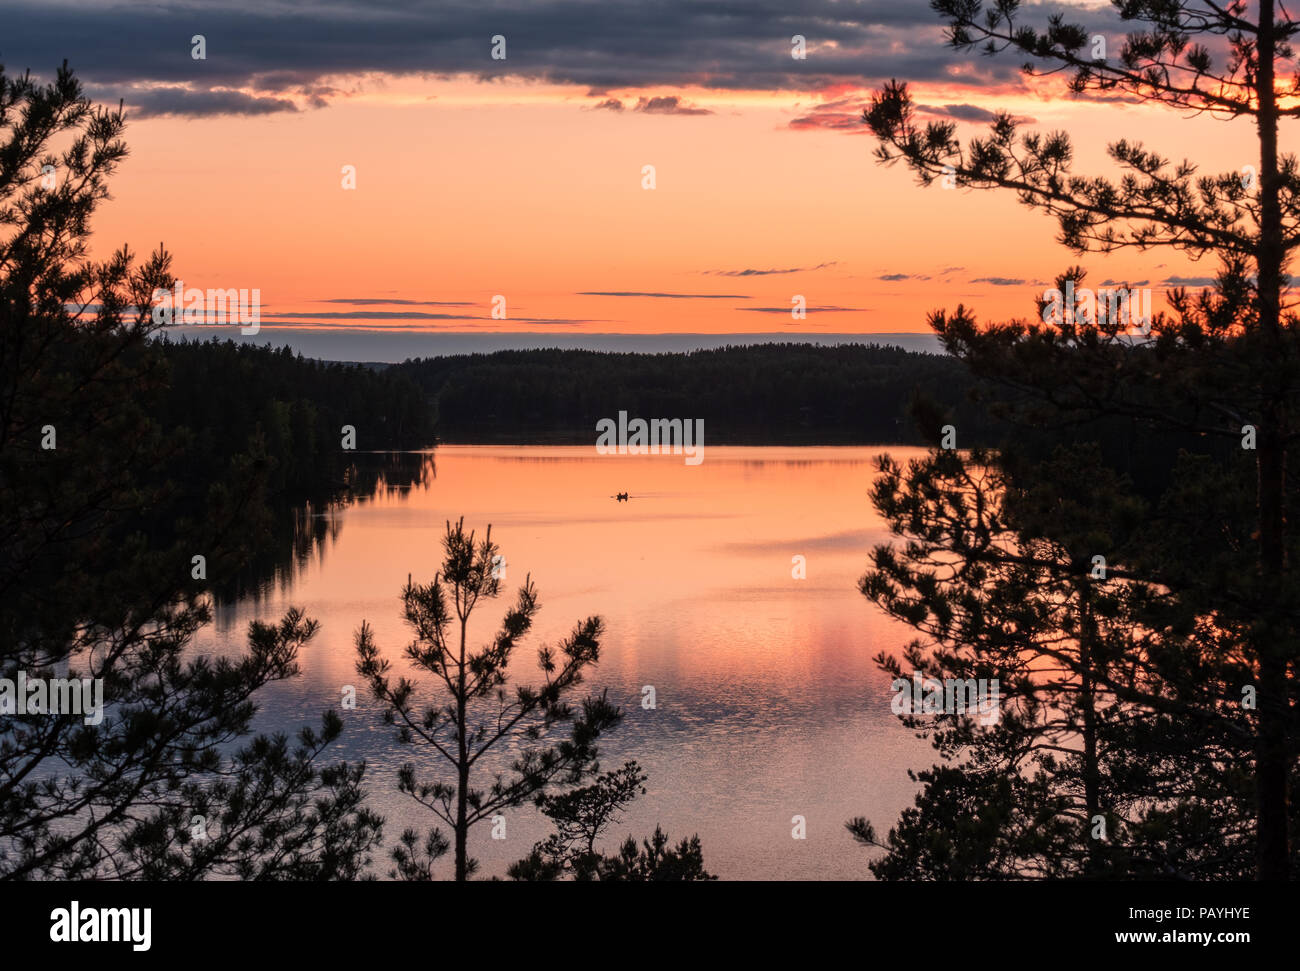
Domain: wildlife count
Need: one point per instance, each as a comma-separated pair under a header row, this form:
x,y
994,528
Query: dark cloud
x,y
369,315
557,321
999,281
966,113
374,320
958,112
610,104
895,277
367,301
831,121
174,100
845,114
840,114
462,324
669,296
668,105
294,48
1189,281
810,309
793,269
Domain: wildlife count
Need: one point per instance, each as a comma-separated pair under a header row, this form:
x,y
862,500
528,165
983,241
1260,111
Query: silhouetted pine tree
x,y
581,817
475,713
1114,709
1218,362
88,591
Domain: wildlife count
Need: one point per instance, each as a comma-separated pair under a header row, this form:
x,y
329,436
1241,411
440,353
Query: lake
x,y
768,704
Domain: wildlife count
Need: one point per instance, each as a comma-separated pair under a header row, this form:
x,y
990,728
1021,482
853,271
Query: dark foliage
x,y
96,577
763,394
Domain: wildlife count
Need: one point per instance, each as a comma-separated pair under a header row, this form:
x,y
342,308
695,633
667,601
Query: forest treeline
x,y
760,394
243,398
286,411
768,394
273,400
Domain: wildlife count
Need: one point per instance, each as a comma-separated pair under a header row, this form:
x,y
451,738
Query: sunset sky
x,y
523,177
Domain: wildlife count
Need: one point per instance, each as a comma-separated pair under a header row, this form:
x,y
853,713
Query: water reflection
x,y
302,531
768,703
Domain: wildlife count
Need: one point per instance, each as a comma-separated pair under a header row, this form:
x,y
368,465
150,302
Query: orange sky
x,y
467,189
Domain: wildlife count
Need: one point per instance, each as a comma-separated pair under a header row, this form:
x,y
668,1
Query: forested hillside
x,y
770,394
288,407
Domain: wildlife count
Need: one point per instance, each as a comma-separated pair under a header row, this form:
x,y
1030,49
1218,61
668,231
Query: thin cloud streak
x,y
794,269
663,296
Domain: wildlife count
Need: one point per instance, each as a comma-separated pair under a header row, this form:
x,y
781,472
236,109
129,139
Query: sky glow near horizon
x,y
522,178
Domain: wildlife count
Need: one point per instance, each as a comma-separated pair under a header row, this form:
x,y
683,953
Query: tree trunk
x,y
1088,701
462,828
1273,639
462,768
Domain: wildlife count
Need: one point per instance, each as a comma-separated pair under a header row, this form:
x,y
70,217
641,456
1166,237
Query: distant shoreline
x,y
772,394
393,347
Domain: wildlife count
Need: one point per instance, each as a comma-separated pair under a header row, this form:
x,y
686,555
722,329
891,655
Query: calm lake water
x,y
768,703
